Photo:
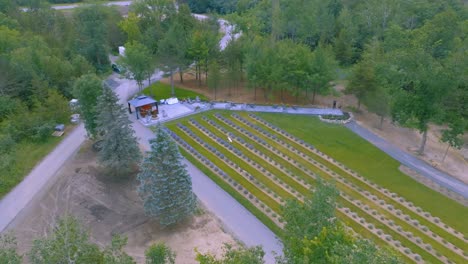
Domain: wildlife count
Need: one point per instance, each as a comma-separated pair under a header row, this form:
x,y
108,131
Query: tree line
x,y
312,234
404,58
42,53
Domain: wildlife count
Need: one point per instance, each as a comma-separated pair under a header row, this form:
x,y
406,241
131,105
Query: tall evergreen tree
x,y
165,185
120,147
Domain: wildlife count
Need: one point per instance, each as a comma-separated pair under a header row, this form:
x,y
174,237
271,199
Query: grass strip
x,y
443,233
369,161
241,180
25,157
256,158
244,165
160,90
404,241
241,199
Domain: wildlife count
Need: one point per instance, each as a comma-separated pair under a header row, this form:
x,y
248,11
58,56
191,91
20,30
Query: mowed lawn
x,y
161,90
343,145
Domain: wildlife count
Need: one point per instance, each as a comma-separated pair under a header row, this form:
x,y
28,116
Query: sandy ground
x,y
109,207
455,164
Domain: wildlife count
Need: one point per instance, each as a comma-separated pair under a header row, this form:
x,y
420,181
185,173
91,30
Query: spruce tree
x,y
119,145
165,185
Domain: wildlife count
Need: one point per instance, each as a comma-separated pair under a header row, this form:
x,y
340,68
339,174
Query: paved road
x,y
410,161
24,192
236,219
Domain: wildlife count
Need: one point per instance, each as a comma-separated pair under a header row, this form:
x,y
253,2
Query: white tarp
x,y
172,100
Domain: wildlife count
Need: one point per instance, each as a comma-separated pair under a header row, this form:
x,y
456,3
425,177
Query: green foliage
x,y
362,81
139,62
306,221
67,242
231,255
203,46
8,254
91,35
120,149
87,89
159,254
314,235
215,77
18,158
165,185
130,26
114,254
218,6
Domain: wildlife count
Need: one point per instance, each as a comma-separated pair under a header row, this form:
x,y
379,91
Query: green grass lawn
x,y
161,90
26,155
363,157
344,146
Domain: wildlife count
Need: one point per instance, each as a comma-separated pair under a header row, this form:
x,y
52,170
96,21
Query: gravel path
x,y
410,161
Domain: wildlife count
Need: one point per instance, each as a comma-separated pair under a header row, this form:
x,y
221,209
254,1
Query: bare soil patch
x,y
455,163
110,207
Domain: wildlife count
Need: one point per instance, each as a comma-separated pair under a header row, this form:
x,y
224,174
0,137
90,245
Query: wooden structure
x,y
144,106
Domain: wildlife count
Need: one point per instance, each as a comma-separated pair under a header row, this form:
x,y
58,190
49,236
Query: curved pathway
x,y
410,161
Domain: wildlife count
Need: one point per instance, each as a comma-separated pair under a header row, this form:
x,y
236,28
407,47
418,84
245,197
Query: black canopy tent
x,y
143,105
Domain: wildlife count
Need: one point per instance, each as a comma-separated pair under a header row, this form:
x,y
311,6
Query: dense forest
x,y
42,52
404,58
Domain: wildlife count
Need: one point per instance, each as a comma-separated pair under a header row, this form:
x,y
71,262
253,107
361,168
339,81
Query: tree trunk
x,y
241,71
313,96
181,75
255,93
381,122
206,71
198,75
215,92
172,83
359,104
423,143
446,151
297,95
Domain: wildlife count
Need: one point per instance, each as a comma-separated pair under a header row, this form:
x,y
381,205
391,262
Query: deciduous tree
x,y
114,254
138,61
87,89
231,255
159,254
313,234
68,242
